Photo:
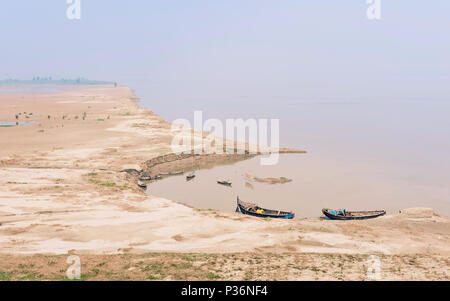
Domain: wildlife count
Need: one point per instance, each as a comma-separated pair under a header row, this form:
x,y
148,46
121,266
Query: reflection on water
x,y
317,183
249,186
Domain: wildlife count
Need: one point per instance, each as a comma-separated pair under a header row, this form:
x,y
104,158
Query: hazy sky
x,y
340,83
320,48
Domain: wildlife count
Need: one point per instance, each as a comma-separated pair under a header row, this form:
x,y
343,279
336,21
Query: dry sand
x,y
61,191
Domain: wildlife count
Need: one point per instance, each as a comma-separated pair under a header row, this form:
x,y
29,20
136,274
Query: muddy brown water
x,y
317,183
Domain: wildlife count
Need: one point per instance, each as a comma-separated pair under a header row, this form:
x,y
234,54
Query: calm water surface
x,y
364,152
43,89
318,182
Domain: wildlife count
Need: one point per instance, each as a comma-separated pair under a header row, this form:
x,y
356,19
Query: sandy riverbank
x,y
61,190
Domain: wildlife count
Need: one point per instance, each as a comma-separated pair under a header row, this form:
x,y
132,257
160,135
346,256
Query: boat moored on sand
x,y
342,214
142,185
255,210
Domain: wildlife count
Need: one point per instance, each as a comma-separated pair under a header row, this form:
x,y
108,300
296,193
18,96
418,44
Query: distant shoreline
x,y
50,81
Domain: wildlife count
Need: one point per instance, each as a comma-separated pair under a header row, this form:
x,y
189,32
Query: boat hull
x,y
224,183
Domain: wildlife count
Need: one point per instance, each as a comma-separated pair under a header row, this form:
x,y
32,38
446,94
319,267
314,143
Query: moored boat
x,y
343,214
145,177
142,185
224,182
191,175
255,210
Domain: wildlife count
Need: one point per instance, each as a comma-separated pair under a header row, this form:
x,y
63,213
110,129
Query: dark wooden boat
x,y
227,183
255,210
343,214
175,173
142,185
190,175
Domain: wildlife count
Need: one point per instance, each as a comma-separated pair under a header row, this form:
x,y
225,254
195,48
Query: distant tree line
x,y
50,80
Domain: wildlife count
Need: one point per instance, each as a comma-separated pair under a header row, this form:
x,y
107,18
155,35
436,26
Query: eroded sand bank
x,y
61,190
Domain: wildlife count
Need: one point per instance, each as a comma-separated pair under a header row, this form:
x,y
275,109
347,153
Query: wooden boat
x,y
343,214
255,210
190,175
224,182
142,185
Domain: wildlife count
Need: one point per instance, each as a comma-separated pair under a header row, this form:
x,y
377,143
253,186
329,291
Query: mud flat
x,y
62,191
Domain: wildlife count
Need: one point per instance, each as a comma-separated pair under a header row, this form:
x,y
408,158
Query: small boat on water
x,y
142,185
191,175
255,210
224,182
343,214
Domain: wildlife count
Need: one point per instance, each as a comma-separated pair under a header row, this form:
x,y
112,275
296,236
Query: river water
x,y
317,183
363,153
